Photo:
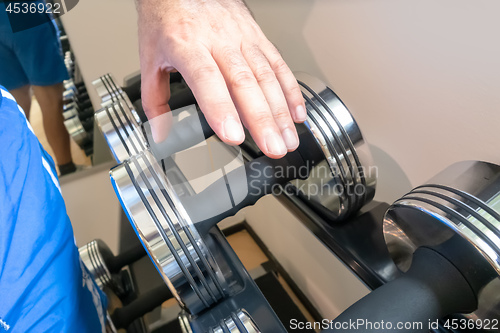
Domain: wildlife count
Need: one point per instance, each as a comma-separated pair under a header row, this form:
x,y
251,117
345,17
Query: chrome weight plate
x,y
127,137
93,260
179,253
345,181
123,133
238,322
109,92
463,199
76,130
70,111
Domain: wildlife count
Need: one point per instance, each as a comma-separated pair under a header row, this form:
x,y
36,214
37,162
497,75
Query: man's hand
x,y
234,71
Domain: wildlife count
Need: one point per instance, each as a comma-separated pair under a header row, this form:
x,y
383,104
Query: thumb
x,y
155,93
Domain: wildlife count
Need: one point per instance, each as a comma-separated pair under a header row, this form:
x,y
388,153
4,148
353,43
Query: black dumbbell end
x,y
431,289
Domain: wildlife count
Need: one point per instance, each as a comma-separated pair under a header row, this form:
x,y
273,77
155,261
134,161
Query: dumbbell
x,y
78,88
174,229
70,96
108,89
75,111
77,131
64,43
102,263
110,92
196,278
126,136
123,126
80,105
88,124
445,237
69,63
88,148
80,124
70,83
341,173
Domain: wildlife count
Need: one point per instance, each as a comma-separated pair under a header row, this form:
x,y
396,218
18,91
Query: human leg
x,y
51,104
23,98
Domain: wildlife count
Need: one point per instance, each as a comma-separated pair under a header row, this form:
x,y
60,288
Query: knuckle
x,y
264,74
175,39
181,32
295,92
216,26
230,56
204,73
242,79
282,115
279,66
261,120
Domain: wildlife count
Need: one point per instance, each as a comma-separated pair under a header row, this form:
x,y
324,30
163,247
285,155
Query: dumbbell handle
x,y
116,263
250,182
123,317
431,289
87,124
183,135
81,105
85,114
177,100
82,97
126,258
85,104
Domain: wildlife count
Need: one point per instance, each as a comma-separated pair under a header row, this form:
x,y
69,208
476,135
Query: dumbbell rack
x,y
78,112
337,146
358,241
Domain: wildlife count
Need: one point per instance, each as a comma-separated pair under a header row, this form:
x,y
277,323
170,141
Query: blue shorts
x,y
32,56
44,286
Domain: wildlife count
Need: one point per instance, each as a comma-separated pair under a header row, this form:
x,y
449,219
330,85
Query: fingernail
x,y
275,144
233,131
290,138
300,113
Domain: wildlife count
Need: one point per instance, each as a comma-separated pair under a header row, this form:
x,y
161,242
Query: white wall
x,y
92,206
103,36
421,77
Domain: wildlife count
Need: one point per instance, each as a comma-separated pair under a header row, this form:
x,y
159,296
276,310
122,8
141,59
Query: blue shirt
x,y
44,287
